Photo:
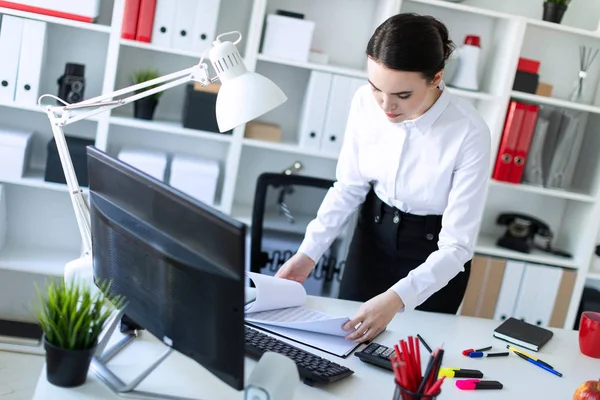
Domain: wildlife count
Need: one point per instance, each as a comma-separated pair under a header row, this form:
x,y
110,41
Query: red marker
x,y
476,384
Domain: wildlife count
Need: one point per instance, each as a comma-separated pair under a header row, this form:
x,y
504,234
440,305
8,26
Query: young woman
x,y
417,159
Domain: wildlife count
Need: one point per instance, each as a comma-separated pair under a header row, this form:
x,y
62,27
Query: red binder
x,y
523,143
130,19
508,143
145,20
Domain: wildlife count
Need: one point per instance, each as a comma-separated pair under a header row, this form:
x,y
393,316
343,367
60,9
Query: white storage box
x,y
151,162
288,37
78,10
3,216
197,177
14,153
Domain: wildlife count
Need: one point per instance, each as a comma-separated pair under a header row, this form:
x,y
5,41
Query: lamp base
x,y
81,270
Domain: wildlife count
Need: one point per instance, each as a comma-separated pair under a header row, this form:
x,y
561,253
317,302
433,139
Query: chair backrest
x,y
283,207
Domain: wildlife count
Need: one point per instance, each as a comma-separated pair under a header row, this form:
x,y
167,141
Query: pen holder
x,y
402,393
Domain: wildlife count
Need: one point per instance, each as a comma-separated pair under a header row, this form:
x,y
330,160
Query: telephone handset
x,y
522,232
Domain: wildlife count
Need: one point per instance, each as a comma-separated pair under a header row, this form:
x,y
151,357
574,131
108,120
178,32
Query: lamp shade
x,y
243,95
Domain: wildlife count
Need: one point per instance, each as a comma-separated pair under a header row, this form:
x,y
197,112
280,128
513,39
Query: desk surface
x,y
181,376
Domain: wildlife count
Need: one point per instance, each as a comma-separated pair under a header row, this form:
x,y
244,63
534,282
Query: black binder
x,y
523,334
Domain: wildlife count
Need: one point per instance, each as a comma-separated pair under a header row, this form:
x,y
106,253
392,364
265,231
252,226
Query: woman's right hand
x,y
297,268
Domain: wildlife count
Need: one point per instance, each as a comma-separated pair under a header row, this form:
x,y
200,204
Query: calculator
x,y
376,354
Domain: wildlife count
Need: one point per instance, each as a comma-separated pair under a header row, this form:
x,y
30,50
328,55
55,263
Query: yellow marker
x,y
459,373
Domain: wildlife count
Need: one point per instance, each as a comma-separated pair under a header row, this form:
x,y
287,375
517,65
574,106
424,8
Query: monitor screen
x,y
178,262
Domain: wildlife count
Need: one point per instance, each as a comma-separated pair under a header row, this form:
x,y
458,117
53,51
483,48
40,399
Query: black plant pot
x,y
554,12
67,368
144,108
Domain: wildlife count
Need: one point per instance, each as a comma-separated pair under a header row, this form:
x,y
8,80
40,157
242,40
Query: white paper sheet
x,y
303,318
281,302
335,345
273,293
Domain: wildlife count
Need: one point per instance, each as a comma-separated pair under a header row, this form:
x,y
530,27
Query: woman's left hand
x,y
373,316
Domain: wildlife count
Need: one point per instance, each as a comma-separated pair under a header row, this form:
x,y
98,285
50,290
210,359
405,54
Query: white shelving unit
x,y
342,30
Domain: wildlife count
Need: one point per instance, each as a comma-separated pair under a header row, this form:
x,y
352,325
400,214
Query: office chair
x,y
284,203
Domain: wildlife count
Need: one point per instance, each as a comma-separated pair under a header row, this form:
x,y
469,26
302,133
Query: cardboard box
x,y
212,88
544,89
263,131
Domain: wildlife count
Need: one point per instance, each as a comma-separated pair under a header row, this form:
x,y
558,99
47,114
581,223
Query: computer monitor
x,y
178,262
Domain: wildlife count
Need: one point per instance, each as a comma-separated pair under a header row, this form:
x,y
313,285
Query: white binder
x,y
183,25
509,290
205,25
31,62
560,173
11,31
534,167
164,23
342,91
537,294
314,109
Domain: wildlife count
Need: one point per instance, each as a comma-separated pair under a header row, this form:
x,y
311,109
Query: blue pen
x,y
552,371
480,354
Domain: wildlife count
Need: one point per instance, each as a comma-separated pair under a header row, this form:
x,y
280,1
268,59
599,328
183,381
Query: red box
x,y
528,65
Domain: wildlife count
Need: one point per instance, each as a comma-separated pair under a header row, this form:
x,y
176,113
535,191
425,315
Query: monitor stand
x,y
104,355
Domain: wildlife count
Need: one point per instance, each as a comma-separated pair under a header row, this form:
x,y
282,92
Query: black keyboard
x,y
312,368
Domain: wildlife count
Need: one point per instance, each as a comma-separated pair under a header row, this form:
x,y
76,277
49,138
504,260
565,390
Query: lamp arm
x,y
60,116
63,116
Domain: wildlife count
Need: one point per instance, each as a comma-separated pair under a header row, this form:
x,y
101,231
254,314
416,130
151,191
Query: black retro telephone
x,y
523,233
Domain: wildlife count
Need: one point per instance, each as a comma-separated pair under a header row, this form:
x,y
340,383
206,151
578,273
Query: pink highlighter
x,y
476,384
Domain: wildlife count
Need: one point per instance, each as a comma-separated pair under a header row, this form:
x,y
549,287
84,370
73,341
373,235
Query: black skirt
x,y
387,245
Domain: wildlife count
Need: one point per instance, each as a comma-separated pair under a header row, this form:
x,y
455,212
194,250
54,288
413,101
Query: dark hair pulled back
x,y
411,42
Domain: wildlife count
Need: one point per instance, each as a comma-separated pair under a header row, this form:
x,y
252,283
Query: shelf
x,y
472,95
287,148
563,194
26,107
363,74
563,28
39,109
39,260
56,20
499,14
160,49
35,178
486,245
171,127
554,102
464,8
593,275
316,67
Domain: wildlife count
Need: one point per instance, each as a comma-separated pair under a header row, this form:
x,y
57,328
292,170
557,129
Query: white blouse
x,y
438,163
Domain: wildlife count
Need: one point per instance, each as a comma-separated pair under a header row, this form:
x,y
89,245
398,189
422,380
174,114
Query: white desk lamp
x,y
243,96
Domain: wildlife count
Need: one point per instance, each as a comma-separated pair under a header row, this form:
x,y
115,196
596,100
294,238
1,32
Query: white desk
x,y
179,375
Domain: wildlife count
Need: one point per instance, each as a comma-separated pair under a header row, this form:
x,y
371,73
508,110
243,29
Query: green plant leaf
x,y
145,75
71,317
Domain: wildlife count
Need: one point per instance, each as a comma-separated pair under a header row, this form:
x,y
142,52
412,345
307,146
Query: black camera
x,y
71,84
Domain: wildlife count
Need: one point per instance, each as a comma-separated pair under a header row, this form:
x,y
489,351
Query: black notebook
x,y
523,334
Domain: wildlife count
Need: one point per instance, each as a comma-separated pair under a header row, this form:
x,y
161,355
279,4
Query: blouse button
x,y
396,218
376,218
429,236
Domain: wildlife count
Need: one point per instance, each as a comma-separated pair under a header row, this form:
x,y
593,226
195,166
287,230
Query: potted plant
x,y
72,318
555,9
144,108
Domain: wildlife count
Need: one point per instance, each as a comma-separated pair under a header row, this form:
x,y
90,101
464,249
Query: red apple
x,y
589,390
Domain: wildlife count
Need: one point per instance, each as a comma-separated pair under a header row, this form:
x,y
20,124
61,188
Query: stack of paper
x,y
279,306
